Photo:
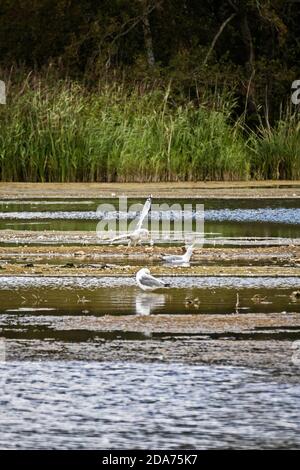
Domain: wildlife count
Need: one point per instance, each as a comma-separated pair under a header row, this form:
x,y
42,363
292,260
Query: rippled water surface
x,y
223,218
117,406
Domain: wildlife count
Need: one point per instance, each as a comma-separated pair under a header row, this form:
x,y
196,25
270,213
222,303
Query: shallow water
x,y
45,205
202,296
246,395
115,406
223,218
61,311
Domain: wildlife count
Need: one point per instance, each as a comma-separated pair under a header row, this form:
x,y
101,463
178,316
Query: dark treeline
x,y
188,49
253,46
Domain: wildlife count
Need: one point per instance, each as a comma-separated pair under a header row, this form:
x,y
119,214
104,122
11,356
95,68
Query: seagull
x,y
139,234
147,282
144,213
179,259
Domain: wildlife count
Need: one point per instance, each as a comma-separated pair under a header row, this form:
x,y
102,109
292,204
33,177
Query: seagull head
x,y
143,271
146,271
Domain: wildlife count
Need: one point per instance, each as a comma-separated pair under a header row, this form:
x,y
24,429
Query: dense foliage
x,y
149,89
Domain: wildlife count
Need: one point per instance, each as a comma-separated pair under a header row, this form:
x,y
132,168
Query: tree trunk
x,y
148,35
250,64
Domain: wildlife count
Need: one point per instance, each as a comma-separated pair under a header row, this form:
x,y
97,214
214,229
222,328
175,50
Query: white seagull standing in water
x,y
139,234
180,259
147,282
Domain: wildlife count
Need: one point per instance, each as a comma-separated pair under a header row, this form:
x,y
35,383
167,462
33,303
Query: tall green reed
x,y
275,151
63,132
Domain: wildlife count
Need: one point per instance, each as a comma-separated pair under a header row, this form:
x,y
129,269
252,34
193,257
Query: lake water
x,y
112,296
84,388
90,405
256,218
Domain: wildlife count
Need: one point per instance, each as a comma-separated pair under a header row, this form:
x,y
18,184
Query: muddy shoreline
x,y
108,270
210,190
93,261
260,341
82,238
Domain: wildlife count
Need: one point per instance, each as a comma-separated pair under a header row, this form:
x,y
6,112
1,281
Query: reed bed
x,y
275,151
62,132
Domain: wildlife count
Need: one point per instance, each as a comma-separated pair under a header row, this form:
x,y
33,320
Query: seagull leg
x,y
128,245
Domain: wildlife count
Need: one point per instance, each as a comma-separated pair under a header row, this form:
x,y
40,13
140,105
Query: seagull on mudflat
x,y
139,234
179,259
147,282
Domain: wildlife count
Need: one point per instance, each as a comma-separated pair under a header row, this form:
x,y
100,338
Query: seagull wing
x,y
144,213
150,281
120,237
172,258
